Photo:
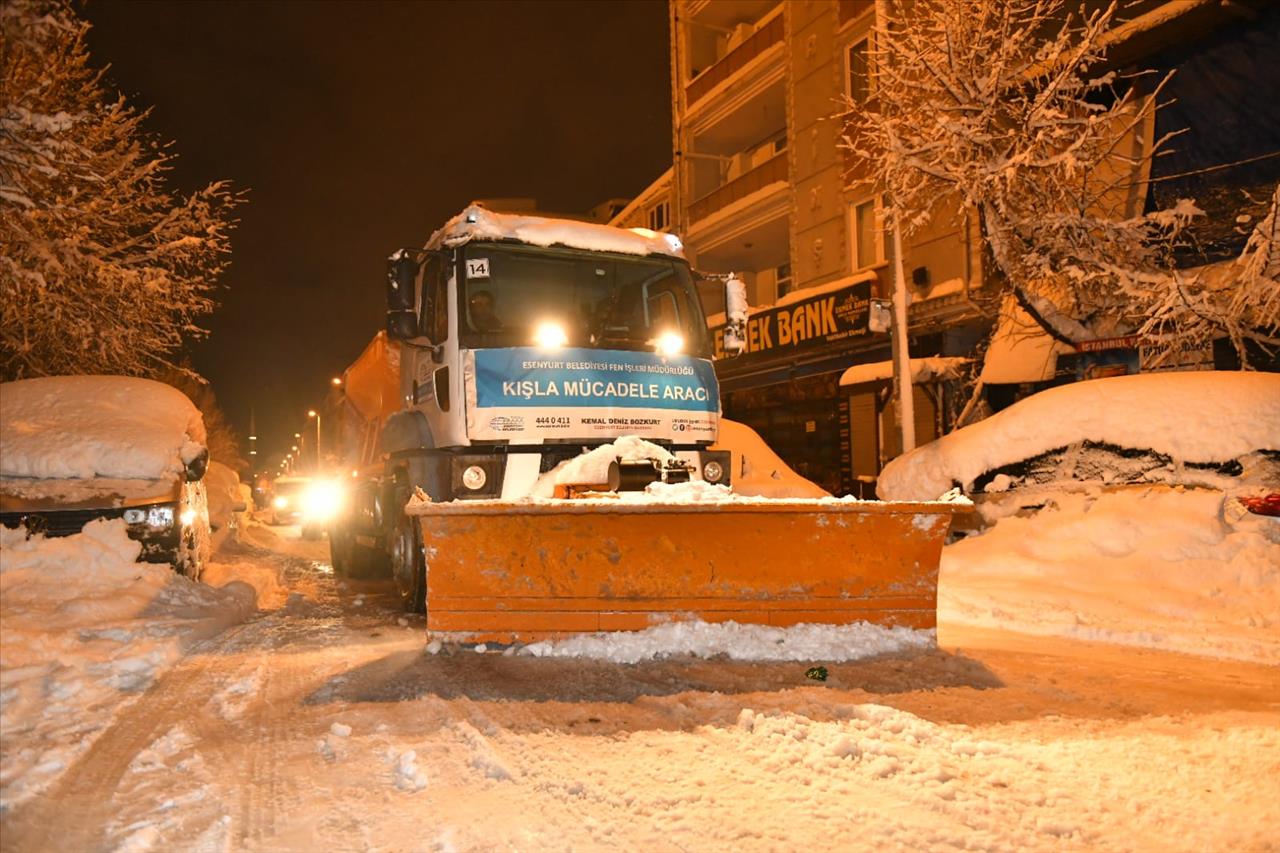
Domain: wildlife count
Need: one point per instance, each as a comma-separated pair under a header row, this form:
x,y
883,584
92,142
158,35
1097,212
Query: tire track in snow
x,y
74,814
79,812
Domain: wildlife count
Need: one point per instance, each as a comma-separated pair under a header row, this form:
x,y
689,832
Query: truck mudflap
x,y
520,572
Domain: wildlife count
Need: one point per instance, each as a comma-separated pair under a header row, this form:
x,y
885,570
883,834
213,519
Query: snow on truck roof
x,y
1199,416
79,427
479,223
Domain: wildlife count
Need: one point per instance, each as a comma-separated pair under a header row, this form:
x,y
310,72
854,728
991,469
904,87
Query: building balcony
x,y
733,63
744,224
769,172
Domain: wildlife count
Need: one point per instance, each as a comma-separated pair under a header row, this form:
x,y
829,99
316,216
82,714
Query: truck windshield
x,y
599,300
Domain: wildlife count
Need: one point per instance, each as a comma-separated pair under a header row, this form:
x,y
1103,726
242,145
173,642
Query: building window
x,y
866,233
783,278
859,66
658,216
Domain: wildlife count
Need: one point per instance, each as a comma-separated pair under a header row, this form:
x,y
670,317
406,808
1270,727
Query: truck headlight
x,y
188,516
669,343
550,335
135,516
322,501
280,502
713,472
474,478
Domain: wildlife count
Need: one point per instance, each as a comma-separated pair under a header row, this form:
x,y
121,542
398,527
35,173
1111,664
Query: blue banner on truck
x,y
528,394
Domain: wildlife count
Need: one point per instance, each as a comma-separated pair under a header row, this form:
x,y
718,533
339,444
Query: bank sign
x,y
525,394
823,319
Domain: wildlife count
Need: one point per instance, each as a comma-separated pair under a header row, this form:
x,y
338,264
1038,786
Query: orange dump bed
x,y
521,572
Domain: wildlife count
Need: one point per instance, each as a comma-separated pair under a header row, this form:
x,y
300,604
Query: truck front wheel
x,y
407,564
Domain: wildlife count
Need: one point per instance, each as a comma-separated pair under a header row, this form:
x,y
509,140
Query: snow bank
x,y
82,628
1154,567
831,643
223,486
79,427
225,491
478,223
1202,416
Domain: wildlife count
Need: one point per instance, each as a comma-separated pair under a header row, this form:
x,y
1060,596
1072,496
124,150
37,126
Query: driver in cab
x,y
483,316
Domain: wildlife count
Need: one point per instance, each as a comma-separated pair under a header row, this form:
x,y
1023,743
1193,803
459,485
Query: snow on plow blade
x,y
522,572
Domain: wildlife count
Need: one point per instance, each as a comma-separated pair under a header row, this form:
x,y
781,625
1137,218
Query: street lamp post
x,y
314,414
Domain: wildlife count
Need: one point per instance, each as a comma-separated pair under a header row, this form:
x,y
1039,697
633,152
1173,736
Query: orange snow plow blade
x,y
522,572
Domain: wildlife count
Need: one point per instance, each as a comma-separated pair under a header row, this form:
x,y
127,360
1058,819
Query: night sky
x,y
360,127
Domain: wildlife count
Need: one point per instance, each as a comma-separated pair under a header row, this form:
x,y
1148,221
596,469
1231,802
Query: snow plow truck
x,y
533,452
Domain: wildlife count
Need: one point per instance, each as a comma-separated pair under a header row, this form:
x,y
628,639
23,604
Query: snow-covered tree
x,y
104,269
1003,109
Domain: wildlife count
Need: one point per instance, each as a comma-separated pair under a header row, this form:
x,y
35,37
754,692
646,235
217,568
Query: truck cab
x,y
526,340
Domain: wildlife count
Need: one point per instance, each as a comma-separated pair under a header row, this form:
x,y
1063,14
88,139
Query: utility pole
x,y
899,334
901,339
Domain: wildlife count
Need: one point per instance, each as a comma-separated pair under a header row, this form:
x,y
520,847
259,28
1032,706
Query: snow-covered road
x,y
321,723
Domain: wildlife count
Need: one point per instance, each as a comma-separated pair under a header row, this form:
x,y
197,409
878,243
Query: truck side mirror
x,y
736,311
402,318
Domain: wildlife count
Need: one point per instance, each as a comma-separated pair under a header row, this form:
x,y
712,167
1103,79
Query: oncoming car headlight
x,y
280,502
322,501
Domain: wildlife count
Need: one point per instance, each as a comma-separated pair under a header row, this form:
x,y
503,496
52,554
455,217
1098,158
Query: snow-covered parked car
x,y
1211,429
78,448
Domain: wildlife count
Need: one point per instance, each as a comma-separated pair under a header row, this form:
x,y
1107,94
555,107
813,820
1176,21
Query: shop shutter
x,y
926,415
863,440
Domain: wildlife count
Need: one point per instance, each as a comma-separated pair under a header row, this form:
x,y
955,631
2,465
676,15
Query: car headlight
x,y
280,502
322,501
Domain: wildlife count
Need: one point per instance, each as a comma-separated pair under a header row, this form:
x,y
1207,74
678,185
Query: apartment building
x,y
760,185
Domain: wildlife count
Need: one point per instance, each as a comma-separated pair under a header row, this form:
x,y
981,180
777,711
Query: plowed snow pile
x,y
740,642
84,628
1152,567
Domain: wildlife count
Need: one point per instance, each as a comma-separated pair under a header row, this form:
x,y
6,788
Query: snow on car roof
x,y
77,427
1201,416
479,223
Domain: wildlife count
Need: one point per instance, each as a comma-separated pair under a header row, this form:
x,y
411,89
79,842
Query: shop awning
x,y
1020,350
933,369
